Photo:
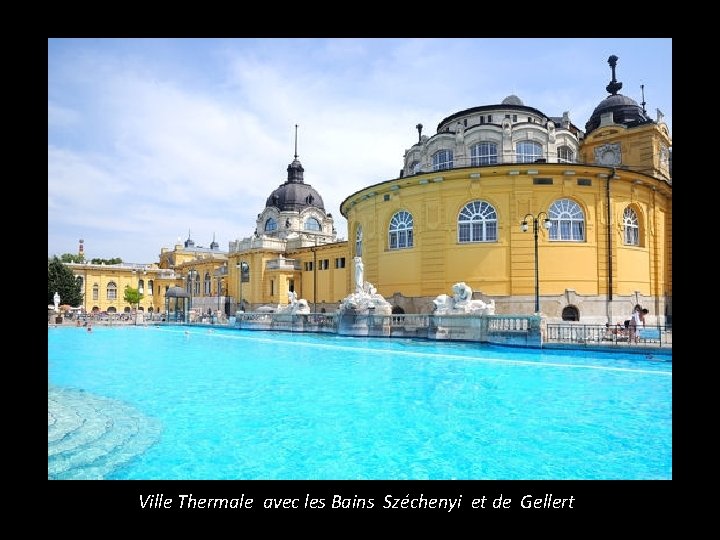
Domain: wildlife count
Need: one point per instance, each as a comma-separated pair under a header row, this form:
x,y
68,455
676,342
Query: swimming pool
x,y
199,403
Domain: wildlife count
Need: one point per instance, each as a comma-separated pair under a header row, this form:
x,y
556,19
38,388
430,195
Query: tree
x,y
116,260
132,296
62,280
68,258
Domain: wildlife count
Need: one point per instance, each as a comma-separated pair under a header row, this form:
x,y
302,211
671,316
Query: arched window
x,y
631,227
151,286
358,241
312,224
570,313
528,151
141,286
270,225
79,281
401,231
96,291
567,222
208,284
565,154
414,167
484,153
111,290
112,309
442,159
477,222
126,310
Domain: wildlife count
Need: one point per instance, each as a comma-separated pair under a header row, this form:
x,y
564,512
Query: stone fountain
x,y
364,312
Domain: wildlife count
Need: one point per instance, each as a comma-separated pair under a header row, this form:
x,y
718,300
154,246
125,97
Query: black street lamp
x,y
243,269
524,228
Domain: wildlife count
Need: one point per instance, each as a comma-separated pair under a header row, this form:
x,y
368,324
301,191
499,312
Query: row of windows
x,y
324,264
311,224
111,289
486,153
478,222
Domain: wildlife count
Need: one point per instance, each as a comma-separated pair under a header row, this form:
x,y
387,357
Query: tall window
x,y
477,223
631,227
96,292
151,286
401,231
80,283
111,290
358,241
443,159
270,225
312,224
565,154
141,286
528,151
567,222
207,284
484,153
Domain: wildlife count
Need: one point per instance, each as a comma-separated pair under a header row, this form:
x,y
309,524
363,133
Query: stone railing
x,y
501,329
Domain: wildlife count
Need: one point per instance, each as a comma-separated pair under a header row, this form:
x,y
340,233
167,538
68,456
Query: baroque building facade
x,y
465,207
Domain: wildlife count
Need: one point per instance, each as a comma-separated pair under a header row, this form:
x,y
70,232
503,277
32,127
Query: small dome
x,y
512,99
625,111
295,197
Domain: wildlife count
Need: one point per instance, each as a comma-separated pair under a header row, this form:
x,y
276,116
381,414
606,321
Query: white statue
x,y
292,298
358,274
56,301
462,302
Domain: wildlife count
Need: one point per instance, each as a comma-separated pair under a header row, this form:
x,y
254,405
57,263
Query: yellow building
x,y
103,286
527,209
466,207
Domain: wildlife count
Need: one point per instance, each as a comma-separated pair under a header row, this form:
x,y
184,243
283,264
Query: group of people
x,y
628,328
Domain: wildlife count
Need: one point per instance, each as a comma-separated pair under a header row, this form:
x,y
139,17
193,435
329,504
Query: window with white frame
x,y
111,290
141,286
442,159
484,153
477,222
151,285
565,154
567,221
528,151
270,225
207,284
631,227
401,231
358,241
96,292
312,224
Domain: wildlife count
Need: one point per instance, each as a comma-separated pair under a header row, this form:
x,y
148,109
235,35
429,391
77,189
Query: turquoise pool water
x,y
228,404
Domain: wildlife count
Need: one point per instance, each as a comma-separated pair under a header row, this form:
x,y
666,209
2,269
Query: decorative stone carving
x,y
296,307
462,303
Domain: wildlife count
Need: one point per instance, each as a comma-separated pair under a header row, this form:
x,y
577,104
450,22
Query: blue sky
x,y
150,138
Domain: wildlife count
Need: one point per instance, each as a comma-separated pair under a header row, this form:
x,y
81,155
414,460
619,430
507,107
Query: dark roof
x,y
295,194
625,111
176,292
483,108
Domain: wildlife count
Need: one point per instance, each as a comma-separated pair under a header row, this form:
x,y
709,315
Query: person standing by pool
x,y
635,319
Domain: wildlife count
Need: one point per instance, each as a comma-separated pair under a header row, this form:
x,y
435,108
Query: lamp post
x,y
242,269
524,228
